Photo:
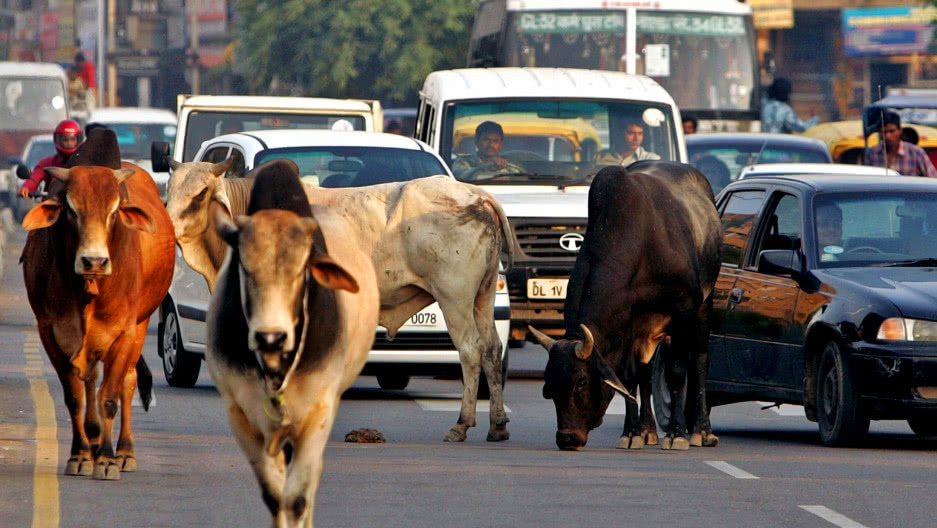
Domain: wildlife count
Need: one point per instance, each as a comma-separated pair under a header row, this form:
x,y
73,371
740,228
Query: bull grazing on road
x,y
644,274
98,261
430,239
290,325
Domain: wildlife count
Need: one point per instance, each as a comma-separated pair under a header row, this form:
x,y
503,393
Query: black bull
x,y
644,274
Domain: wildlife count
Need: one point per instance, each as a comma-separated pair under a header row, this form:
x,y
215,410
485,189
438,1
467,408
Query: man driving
x,y
487,160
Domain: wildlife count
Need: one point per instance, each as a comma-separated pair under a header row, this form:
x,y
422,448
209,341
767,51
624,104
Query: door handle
x,y
735,295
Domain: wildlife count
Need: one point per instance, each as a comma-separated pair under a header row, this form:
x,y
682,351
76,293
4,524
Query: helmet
x,y
66,129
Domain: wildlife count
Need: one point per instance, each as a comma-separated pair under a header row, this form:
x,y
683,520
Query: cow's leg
x,y
491,347
675,372
92,420
118,360
648,423
697,408
269,471
631,436
305,471
126,458
79,461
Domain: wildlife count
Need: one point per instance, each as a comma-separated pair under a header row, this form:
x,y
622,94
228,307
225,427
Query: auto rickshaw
x,y
530,137
847,143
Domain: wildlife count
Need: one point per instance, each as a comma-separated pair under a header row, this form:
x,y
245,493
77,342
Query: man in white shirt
x,y
628,151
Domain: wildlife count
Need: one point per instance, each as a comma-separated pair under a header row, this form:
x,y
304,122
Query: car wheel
x,y
923,426
180,366
393,380
839,415
483,392
660,393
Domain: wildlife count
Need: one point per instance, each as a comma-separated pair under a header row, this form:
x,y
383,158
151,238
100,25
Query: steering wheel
x,y
864,249
521,155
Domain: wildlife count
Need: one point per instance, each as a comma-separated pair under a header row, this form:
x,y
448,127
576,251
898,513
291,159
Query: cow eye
x,y
200,196
581,384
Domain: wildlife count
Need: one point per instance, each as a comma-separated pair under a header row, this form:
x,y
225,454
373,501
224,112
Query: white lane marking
x,y
785,409
831,516
731,470
453,405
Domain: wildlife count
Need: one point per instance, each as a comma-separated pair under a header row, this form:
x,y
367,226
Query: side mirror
x,y
159,156
23,172
779,262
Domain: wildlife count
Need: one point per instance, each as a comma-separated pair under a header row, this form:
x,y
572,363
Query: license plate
x,y
429,317
546,288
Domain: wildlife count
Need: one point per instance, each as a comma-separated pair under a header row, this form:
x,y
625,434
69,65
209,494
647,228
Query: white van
x,y
202,117
560,126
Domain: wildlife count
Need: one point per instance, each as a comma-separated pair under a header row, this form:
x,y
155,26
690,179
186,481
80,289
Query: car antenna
x,y
881,128
762,149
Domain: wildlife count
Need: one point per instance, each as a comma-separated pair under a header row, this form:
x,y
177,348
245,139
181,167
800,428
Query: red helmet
x,y
65,131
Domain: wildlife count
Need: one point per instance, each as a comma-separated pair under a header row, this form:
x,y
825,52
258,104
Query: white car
x,y
329,159
829,169
136,129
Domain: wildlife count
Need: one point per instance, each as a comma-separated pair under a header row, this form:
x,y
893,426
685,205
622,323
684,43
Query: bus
x,y
703,53
33,99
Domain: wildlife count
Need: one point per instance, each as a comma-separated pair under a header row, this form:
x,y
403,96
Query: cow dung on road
x,y
365,436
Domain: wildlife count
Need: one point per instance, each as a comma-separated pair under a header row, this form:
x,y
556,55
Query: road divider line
x,y
730,470
831,516
46,467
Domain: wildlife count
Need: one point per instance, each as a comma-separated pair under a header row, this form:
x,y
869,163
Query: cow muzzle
x,y
570,440
92,266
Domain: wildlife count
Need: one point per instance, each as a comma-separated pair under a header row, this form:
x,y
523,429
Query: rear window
x,y
202,126
356,166
710,158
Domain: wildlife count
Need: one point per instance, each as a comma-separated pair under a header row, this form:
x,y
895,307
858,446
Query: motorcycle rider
x,y
67,137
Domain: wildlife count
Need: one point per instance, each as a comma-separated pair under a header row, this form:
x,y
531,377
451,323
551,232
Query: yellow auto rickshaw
x,y
846,144
529,137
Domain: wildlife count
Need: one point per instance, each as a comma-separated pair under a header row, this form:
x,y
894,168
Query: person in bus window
x,y
689,125
629,149
487,160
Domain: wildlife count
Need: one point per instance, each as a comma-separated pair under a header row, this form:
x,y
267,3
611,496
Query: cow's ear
x,y
225,228
220,198
329,274
134,217
609,377
43,215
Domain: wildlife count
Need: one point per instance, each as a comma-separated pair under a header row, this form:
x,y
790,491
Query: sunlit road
x,y
769,469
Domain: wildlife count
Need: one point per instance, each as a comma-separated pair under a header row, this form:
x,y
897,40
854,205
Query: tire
x,y
923,426
180,366
393,380
839,414
660,393
483,392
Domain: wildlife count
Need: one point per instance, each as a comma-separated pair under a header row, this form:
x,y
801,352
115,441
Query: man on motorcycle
x,y
66,137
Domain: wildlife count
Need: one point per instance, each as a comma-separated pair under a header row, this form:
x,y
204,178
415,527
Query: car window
x,y
737,157
37,151
134,139
738,219
356,166
237,169
216,154
783,230
875,228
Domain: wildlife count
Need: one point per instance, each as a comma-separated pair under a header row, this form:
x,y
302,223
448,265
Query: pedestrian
x,y
86,72
776,112
892,152
689,125
66,137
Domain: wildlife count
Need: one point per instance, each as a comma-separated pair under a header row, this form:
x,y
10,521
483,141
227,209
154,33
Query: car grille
x,y
415,341
539,238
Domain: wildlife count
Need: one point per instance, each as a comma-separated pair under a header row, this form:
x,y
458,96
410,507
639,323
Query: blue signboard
x,y
888,30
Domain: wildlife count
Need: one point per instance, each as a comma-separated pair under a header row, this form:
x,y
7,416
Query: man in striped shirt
x,y
907,159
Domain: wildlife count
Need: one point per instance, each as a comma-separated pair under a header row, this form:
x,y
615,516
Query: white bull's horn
x,y
544,340
584,350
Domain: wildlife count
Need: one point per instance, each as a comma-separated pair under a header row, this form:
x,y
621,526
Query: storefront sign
x,y
888,30
772,14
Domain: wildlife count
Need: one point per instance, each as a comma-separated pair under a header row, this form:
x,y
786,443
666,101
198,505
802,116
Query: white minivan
x,y
559,126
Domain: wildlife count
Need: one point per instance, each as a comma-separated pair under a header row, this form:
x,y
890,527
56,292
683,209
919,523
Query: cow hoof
x,y
79,466
71,467
680,443
106,470
651,439
497,435
128,463
455,435
667,443
710,440
86,468
696,440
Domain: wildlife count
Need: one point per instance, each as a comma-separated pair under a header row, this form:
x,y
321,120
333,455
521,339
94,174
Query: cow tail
x,y
144,383
507,243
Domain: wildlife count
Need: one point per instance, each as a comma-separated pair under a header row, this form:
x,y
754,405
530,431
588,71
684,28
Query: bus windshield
x,y
32,103
546,141
706,61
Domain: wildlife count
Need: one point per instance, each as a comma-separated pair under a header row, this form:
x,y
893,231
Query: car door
x,y
739,212
761,341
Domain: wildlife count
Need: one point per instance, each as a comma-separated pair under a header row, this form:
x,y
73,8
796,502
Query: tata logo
x,y
571,242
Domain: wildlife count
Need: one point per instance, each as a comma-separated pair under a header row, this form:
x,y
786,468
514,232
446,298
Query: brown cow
x,y
97,262
290,325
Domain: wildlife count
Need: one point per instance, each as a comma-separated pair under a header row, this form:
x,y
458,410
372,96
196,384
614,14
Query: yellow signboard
x,y
772,14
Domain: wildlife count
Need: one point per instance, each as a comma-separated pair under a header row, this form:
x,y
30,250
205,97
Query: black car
x,y
721,156
827,298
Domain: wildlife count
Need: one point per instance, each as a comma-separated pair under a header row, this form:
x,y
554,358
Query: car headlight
x,y
902,329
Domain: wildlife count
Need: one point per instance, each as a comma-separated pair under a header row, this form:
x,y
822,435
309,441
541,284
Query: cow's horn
x,y
222,166
544,340
584,350
174,165
58,173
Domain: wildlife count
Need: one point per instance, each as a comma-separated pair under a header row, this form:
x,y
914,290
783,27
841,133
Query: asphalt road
x,y
769,469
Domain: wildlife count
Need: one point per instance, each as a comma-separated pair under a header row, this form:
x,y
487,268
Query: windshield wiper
x,y
913,263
